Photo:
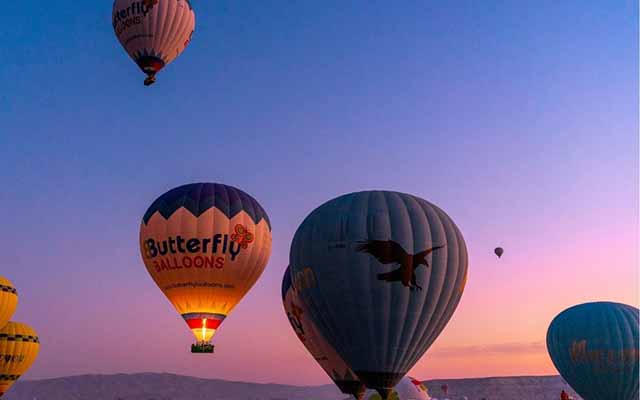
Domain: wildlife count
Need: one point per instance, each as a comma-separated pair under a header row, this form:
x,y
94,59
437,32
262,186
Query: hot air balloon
x,y
153,32
205,245
380,274
19,346
8,300
407,389
317,346
499,251
594,346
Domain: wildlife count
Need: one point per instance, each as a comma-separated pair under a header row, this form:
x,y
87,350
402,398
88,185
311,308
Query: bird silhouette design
x,y
390,252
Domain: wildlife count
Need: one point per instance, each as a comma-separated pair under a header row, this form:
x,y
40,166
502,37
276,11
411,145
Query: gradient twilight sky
x,y
520,121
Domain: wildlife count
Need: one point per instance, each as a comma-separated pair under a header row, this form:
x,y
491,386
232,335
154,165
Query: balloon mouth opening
x,y
150,65
382,382
199,320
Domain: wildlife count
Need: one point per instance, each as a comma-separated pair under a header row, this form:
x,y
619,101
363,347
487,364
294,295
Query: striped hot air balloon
x,y
153,32
594,346
8,300
205,245
317,346
19,346
385,272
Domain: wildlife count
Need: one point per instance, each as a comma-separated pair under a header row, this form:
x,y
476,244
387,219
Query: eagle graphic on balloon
x,y
390,252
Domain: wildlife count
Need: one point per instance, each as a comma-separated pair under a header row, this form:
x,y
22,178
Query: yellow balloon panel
x,y
8,300
205,264
19,346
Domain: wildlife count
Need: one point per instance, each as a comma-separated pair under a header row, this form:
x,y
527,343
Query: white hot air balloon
x,y
153,32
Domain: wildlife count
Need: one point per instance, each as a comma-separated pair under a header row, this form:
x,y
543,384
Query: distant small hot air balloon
x,y
205,245
499,251
153,32
19,346
594,346
380,274
316,345
8,300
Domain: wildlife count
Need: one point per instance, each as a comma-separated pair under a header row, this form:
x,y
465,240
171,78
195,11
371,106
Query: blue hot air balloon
x,y
594,346
380,274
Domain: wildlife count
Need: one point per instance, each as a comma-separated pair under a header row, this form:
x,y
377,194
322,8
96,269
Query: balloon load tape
x,y
200,348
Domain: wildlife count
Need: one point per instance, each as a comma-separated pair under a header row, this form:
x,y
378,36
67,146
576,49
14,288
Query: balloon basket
x,y
150,80
202,348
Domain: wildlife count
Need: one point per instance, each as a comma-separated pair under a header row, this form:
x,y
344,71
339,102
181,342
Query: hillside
x,y
151,386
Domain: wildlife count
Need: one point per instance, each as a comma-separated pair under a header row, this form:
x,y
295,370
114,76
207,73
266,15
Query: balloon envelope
x,y
19,347
594,346
205,245
315,344
499,251
8,300
153,32
380,274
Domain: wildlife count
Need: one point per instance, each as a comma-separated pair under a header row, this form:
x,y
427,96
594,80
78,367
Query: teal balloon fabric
x,y
594,346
